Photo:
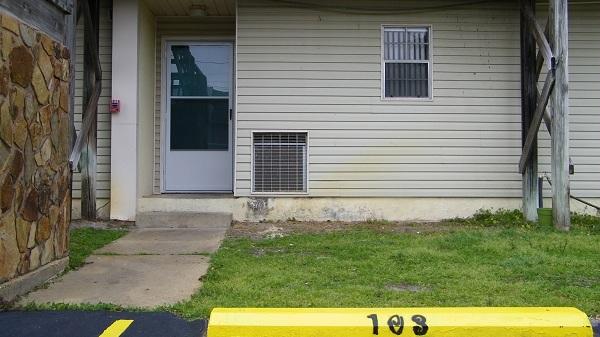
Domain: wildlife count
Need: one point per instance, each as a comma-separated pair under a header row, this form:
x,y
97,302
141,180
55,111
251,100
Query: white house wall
x,y
302,69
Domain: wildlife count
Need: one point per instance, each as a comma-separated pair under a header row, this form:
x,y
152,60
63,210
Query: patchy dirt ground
x,y
262,230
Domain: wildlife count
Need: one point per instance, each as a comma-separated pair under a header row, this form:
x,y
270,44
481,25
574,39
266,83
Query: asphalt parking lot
x,y
97,323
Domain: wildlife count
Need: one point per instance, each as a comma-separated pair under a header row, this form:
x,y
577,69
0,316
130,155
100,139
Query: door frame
x,y
164,101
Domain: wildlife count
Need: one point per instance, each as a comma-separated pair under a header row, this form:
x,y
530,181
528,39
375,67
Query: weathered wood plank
x,y
65,5
70,38
86,142
89,118
540,39
540,58
548,120
561,211
536,120
528,101
41,14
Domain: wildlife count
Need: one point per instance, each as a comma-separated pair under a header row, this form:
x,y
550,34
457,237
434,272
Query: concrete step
x,y
166,241
183,220
196,203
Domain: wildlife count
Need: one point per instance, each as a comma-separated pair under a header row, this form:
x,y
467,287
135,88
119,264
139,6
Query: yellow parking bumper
x,y
434,322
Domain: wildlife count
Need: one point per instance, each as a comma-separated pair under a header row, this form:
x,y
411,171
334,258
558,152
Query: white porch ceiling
x,y
182,7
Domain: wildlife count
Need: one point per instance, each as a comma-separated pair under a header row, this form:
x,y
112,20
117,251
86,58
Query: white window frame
x,y
307,171
429,62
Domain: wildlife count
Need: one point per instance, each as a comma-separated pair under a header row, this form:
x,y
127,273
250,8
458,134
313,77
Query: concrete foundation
x,y
361,209
335,209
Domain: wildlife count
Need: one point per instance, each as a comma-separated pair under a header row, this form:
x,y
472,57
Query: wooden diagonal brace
x,y
548,120
540,57
541,105
542,42
90,109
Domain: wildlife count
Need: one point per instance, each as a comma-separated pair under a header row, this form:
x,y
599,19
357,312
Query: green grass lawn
x,y
491,259
85,240
488,260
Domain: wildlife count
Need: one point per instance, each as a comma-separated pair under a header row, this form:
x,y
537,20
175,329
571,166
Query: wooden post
x,y
559,35
88,155
528,105
70,39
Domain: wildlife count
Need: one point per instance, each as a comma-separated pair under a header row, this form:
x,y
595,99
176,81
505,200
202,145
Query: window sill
x,y
407,99
279,194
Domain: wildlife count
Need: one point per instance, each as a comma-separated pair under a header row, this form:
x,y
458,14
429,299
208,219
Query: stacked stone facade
x,y
34,149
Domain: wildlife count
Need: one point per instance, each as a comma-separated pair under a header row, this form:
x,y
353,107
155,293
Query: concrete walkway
x,y
146,268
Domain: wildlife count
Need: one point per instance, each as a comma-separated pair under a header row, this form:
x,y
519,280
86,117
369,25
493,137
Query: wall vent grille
x,y
279,162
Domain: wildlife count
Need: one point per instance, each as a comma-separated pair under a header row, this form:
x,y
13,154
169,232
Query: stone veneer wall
x,y
34,149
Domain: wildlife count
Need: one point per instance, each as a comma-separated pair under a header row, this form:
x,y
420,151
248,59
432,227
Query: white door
x,y
197,137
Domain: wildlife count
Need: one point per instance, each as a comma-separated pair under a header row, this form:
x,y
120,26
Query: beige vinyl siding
x,y
104,117
303,69
208,28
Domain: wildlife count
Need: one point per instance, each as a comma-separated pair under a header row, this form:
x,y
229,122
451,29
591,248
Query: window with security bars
x,y
279,162
406,62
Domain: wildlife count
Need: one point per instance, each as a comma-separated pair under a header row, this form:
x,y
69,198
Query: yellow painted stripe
x,y
117,328
435,322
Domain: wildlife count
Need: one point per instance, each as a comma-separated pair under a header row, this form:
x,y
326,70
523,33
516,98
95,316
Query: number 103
x,y
396,324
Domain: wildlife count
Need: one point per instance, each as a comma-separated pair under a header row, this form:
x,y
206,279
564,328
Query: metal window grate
x,y
279,163
407,62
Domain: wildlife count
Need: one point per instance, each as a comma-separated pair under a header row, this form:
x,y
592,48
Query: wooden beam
x,y
548,120
70,42
536,120
44,15
65,5
559,33
529,90
91,10
540,38
540,57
